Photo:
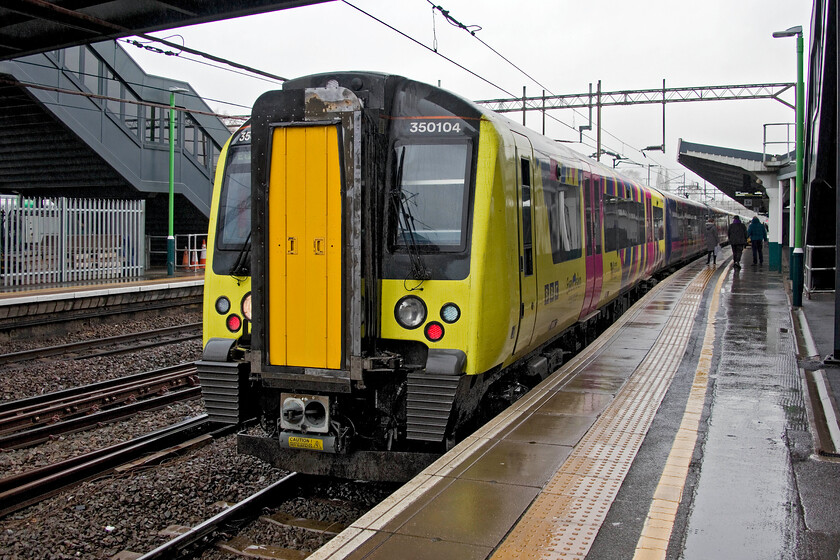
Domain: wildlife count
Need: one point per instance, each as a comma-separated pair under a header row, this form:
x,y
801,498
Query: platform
x,y
684,431
23,306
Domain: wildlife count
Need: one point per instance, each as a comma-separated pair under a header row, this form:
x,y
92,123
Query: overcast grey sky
x,y
564,44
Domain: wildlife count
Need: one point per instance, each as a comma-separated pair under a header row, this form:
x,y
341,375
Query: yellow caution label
x,y
306,443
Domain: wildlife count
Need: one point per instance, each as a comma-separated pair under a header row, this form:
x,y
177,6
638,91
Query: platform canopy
x,y
735,172
34,26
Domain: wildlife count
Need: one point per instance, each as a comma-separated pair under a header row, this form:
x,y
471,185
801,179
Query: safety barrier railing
x,y
789,143
819,269
63,240
190,251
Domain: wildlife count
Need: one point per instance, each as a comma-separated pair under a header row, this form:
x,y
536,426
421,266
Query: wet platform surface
x,y
154,278
24,307
683,432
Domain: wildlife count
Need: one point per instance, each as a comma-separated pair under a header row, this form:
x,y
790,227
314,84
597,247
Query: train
x,y
389,264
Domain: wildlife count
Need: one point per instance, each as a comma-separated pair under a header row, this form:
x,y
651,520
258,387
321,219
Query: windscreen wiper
x,y
242,266
406,221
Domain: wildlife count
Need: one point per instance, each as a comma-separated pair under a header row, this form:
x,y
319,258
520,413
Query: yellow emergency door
x,y
304,240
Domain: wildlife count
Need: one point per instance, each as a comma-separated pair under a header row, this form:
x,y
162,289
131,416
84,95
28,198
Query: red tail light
x,y
434,331
234,323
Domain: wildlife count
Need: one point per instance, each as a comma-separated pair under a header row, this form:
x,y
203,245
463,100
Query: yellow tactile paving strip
x,y
653,542
564,519
589,480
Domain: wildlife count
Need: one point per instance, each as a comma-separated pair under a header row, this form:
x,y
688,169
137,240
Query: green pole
x,y
170,240
796,265
798,251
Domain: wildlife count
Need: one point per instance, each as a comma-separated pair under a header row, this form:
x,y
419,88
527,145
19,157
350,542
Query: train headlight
x,y
410,312
246,306
222,305
450,313
434,331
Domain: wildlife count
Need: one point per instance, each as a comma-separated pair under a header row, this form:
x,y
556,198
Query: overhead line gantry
x,y
663,95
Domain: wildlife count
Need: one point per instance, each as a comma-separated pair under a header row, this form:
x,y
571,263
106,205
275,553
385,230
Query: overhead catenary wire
x,y
247,70
473,30
115,27
448,59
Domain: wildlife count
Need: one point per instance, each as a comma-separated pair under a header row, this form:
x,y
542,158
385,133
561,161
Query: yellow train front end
x,y
368,203
227,286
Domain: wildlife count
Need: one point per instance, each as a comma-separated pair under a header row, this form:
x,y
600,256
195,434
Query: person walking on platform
x,y
710,235
758,235
738,239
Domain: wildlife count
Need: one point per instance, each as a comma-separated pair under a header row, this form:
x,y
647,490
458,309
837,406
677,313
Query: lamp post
x,y
797,268
170,240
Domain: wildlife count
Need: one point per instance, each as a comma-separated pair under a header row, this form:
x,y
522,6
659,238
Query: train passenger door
x,y
527,260
592,226
650,246
304,268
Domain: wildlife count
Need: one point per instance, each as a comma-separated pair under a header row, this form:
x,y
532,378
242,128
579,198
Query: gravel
x,y
103,517
66,446
128,511
26,379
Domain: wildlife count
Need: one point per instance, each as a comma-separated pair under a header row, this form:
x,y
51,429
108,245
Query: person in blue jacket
x,y
758,235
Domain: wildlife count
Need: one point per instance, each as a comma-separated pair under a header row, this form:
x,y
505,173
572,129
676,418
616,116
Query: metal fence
x,y
190,251
65,240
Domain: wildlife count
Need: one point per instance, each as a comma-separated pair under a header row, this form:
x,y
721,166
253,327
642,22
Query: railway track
x,y
27,488
288,519
35,419
189,543
109,346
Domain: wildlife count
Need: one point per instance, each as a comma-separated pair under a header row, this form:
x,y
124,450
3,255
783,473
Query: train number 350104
x,y
434,126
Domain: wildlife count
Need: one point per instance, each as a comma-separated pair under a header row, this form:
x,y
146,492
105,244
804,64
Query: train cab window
x,y
433,195
235,202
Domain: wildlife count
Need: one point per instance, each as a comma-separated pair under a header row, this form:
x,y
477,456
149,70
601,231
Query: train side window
x,y
658,223
563,206
527,236
611,223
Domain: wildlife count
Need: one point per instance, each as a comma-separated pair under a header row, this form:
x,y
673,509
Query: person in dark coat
x,y
758,235
712,239
737,239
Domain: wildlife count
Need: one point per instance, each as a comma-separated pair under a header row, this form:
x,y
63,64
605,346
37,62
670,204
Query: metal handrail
x,y
789,143
810,269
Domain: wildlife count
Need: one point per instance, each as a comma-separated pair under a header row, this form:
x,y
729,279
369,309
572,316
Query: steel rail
x,y
67,394
186,545
43,433
35,353
58,410
27,488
